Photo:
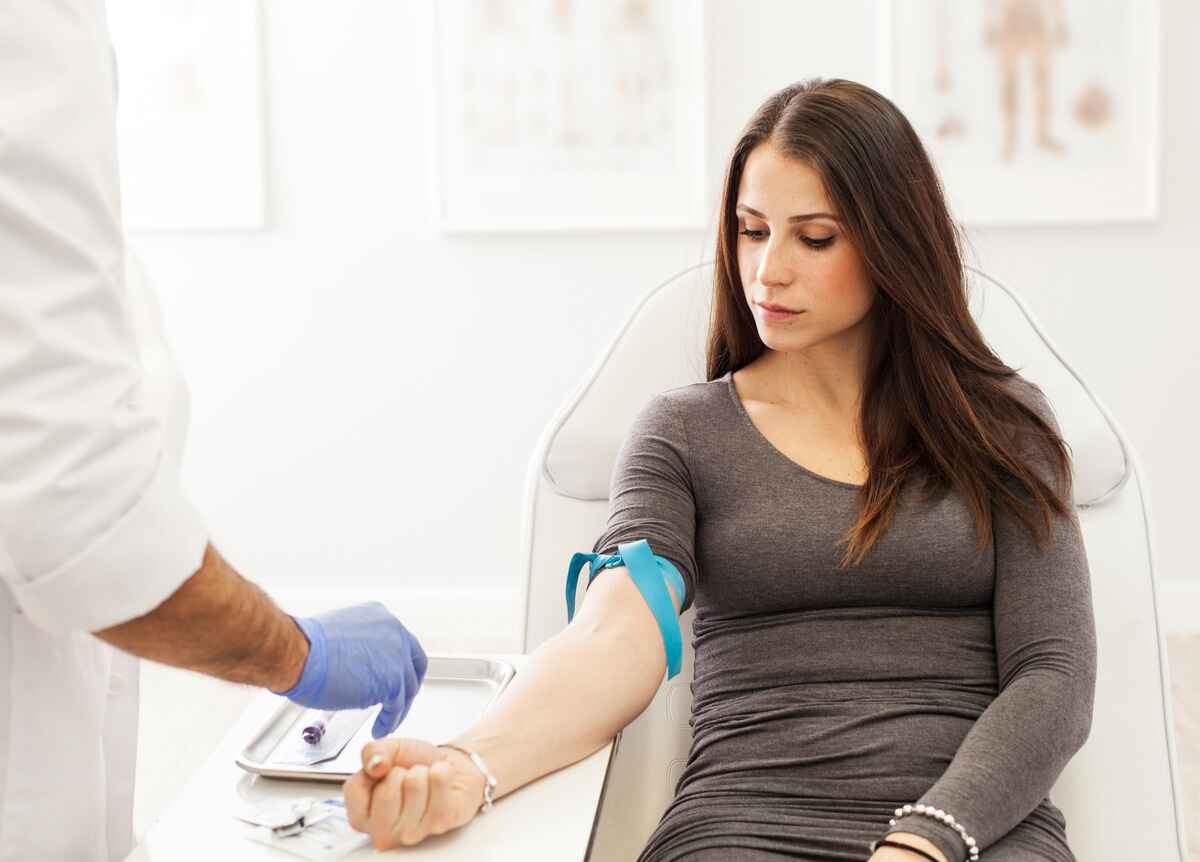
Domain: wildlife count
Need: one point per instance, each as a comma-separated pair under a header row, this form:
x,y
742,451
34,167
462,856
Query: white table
x,y
551,819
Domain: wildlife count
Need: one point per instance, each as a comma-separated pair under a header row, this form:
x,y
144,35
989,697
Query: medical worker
x,y
99,548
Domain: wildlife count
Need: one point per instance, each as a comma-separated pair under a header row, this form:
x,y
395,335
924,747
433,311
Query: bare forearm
x,y
220,624
577,692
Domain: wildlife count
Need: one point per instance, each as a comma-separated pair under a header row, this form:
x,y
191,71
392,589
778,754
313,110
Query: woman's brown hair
x,y
936,398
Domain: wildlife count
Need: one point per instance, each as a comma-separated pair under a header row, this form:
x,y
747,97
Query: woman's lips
x,y
777,314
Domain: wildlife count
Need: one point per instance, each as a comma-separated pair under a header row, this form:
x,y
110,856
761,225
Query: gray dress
x,y
824,699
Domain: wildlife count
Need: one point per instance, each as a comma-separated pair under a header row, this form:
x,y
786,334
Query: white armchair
x,y
1120,793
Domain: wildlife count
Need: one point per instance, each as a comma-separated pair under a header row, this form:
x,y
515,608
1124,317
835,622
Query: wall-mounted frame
x,y
1034,111
568,115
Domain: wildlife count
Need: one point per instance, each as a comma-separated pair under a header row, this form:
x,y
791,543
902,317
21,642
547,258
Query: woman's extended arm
x,y
1046,661
580,687
575,694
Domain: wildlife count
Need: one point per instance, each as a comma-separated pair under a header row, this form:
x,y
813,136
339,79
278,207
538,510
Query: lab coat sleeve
x,y
94,529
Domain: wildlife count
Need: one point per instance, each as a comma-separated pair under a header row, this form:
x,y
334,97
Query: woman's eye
x,y
811,242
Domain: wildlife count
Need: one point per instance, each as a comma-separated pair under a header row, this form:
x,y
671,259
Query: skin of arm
x,y
552,714
892,854
220,624
579,689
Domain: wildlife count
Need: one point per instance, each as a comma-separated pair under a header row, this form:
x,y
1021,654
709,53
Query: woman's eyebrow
x,y
804,217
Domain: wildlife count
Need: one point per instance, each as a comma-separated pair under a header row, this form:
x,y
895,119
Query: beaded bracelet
x,y
940,815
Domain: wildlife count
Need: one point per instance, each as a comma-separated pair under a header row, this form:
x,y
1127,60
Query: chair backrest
x,y
1120,793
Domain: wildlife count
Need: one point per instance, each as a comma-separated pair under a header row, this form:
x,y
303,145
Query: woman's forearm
x,y
575,694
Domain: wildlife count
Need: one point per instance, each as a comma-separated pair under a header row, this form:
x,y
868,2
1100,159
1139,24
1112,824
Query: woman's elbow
x,y
1076,706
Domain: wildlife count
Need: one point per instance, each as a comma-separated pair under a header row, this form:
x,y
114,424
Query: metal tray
x,y
456,691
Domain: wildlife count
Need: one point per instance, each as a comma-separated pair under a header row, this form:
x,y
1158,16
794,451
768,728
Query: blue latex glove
x,y
357,657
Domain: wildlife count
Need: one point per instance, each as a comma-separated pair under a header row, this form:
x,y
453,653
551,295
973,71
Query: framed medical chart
x,y
568,114
189,114
1034,111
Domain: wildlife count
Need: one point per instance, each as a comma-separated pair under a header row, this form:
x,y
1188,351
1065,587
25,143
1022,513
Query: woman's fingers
x,y
382,754
357,794
407,829
438,815
377,757
439,812
407,790
407,805
386,801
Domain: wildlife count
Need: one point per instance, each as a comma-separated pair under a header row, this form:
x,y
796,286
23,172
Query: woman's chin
x,y
774,340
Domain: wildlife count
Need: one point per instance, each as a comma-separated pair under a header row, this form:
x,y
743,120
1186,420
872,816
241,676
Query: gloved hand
x,y
357,657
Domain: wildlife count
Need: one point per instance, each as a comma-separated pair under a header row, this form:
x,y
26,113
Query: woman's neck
x,y
827,378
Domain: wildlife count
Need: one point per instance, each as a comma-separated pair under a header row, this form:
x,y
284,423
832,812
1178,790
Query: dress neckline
x,y
757,432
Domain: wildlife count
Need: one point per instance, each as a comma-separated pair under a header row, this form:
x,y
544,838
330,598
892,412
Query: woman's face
x,y
792,253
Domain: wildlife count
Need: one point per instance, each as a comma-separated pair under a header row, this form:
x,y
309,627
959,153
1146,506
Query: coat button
x,y
116,684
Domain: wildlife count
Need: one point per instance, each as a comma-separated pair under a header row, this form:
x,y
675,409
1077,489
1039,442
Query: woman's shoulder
x,y
680,412
1032,396
692,400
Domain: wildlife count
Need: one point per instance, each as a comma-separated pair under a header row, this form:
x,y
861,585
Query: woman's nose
x,y
773,268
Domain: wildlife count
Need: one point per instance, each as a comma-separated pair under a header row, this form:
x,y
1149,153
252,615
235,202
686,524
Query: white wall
x,y
366,392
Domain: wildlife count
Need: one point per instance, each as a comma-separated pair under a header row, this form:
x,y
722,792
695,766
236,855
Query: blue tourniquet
x,y
650,574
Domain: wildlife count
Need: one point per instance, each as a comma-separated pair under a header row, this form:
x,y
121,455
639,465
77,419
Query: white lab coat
x,y
94,529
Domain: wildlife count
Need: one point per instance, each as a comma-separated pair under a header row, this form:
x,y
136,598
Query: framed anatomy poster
x,y
1034,111
568,114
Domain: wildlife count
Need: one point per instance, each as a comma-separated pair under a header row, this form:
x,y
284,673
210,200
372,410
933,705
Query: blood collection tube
x,y
313,733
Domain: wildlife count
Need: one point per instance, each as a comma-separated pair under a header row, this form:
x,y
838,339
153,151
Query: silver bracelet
x,y
940,815
489,780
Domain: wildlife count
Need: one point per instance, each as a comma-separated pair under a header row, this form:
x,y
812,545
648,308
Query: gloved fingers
x,y
356,793
395,709
407,829
389,717
412,683
420,661
386,799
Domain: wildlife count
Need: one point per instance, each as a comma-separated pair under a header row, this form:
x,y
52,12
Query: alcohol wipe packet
x,y
322,833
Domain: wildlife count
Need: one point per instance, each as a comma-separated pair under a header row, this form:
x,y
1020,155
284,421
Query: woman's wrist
x,y
944,832
463,764
919,842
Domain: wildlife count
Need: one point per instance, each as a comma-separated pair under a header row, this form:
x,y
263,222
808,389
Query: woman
x,y
944,656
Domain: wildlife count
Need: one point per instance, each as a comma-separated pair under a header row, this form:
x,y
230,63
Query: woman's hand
x,y
894,854
408,790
